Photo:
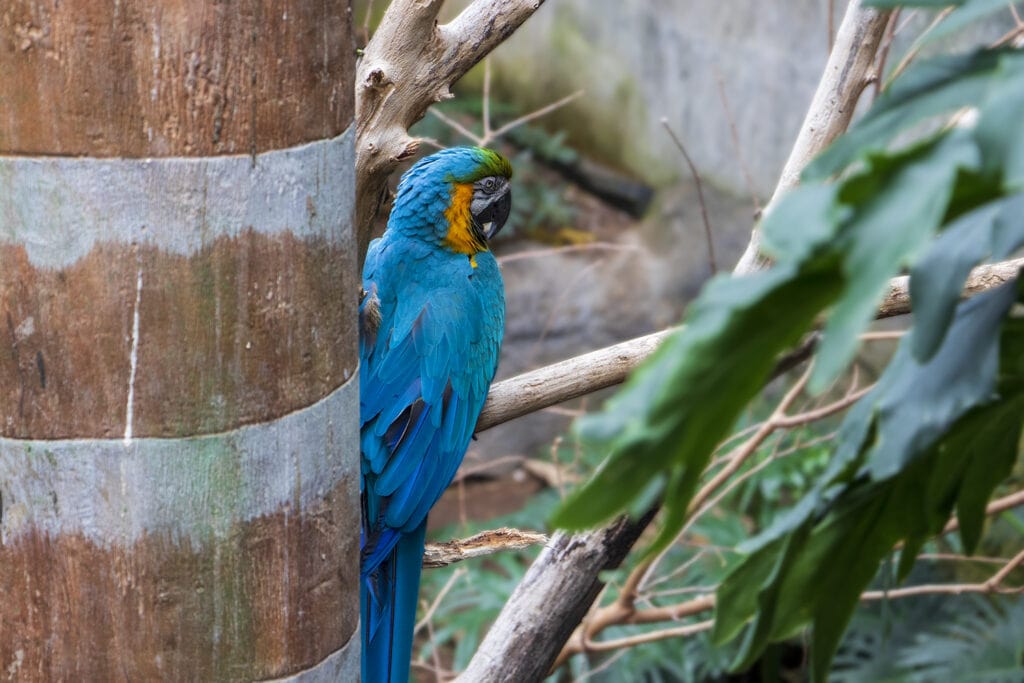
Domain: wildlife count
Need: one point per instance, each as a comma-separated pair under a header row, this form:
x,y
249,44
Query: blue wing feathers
x,y
424,377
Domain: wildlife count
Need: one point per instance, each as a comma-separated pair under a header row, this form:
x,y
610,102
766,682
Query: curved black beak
x,y
501,208
491,218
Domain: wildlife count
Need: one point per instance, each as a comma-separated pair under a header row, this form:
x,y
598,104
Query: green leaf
x,y
920,401
1000,128
927,88
909,454
901,201
994,438
668,418
994,230
805,219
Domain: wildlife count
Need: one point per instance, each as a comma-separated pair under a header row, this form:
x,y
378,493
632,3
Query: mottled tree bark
x,y
178,351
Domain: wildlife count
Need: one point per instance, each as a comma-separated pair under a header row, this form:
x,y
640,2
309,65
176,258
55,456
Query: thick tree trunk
x,y
178,404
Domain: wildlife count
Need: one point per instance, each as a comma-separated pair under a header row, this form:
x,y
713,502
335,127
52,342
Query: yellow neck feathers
x,y
461,238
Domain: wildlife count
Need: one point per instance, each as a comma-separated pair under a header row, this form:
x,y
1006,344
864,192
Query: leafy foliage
x,y
967,639
942,427
474,600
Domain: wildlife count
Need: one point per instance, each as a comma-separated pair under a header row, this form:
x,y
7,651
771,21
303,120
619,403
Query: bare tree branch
x,y
611,365
568,379
552,598
479,545
850,66
410,63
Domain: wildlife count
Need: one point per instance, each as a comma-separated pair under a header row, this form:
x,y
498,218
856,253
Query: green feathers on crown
x,y
489,163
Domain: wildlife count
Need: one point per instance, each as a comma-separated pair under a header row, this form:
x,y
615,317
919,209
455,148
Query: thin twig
x,y
916,47
831,25
366,22
650,637
738,481
457,127
995,507
996,581
515,123
485,101
788,422
1009,36
448,585
893,335
751,445
734,136
950,557
713,265
466,472
887,39
605,665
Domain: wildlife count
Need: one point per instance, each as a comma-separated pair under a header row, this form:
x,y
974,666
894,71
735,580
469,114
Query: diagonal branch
x,y
584,374
848,72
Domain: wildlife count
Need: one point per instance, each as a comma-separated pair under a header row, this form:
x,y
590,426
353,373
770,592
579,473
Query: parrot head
x,y
459,198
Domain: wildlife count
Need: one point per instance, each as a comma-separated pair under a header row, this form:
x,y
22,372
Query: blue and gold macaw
x,y
431,323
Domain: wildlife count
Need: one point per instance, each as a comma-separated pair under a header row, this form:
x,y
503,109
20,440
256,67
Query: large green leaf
x,y
901,201
938,434
1000,128
664,424
994,230
927,88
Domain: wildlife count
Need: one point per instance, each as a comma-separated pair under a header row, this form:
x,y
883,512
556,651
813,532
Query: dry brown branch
x,y
649,637
993,585
849,66
552,598
480,545
553,384
410,63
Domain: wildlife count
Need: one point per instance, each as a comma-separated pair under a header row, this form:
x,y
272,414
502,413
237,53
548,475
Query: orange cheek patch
x,y
460,236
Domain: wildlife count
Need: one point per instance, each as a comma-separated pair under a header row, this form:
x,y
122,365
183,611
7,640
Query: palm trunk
x,y
178,350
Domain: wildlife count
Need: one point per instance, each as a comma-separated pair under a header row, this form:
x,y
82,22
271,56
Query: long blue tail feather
x,y
389,595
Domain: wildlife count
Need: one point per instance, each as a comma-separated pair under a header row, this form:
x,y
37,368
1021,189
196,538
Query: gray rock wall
x,y
643,60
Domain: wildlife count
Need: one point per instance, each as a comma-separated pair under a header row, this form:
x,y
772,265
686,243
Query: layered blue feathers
x,y
431,327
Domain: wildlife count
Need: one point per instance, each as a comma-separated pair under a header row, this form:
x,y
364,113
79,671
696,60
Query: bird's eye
x,y
490,184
